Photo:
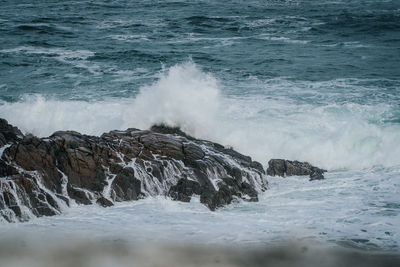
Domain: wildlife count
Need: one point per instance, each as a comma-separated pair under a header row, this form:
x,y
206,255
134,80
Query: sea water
x,y
315,81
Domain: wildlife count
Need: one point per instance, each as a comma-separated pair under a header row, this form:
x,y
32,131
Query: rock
x,y
9,133
79,195
214,199
40,176
184,190
276,167
125,186
281,167
164,129
316,175
104,202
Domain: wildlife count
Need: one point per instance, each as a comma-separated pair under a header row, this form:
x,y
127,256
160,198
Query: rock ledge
x,y
282,167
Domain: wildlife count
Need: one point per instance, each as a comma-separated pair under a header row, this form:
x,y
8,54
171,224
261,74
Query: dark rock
x,y
250,192
17,210
65,199
258,166
235,173
281,167
214,199
79,195
230,181
46,174
165,129
192,152
126,186
9,133
276,167
3,140
6,169
316,175
207,198
104,202
184,190
44,210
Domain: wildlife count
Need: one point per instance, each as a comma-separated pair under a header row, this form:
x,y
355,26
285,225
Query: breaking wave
x,y
332,135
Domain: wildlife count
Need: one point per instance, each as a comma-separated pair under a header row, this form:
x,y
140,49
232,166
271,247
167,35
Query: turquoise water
x,y
316,81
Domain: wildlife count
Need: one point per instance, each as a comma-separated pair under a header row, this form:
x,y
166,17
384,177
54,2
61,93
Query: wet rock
x,y
104,202
317,175
126,186
81,196
184,190
64,198
164,129
281,167
192,152
9,133
6,169
276,167
42,175
250,192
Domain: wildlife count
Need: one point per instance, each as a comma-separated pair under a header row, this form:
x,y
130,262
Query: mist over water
x,y
313,81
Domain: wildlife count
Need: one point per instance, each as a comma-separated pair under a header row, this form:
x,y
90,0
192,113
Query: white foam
x,y
70,54
129,37
3,148
347,205
282,39
109,24
310,121
10,187
76,58
64,183
110,179
151,185
260,22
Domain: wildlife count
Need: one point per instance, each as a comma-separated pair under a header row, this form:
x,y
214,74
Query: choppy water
x,y
307,80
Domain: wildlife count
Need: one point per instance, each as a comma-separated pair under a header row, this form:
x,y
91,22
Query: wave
x,y
44,28
333,136
77,58
282,39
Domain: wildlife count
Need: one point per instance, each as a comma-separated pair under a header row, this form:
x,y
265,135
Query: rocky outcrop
x,y
281,167
43,176
9,133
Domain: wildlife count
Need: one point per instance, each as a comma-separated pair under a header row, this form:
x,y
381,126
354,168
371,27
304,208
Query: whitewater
x,y
357,204
326,132
270,80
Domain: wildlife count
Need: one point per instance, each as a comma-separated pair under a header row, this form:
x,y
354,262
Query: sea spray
x,y
184,96
333,136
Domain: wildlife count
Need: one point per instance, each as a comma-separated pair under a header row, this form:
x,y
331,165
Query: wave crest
x,y
332,136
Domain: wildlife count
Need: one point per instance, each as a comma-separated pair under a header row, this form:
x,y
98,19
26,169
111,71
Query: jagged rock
x,y
317,175
79,195
184,190
41,176
164,129
281,167
104,202
9,133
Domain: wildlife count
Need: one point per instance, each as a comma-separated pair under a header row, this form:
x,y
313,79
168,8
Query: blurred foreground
x,y
119,253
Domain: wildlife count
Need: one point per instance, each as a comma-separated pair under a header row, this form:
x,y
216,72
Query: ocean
x,y
315,81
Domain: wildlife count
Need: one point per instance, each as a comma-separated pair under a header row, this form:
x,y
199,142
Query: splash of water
x,y
333,136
